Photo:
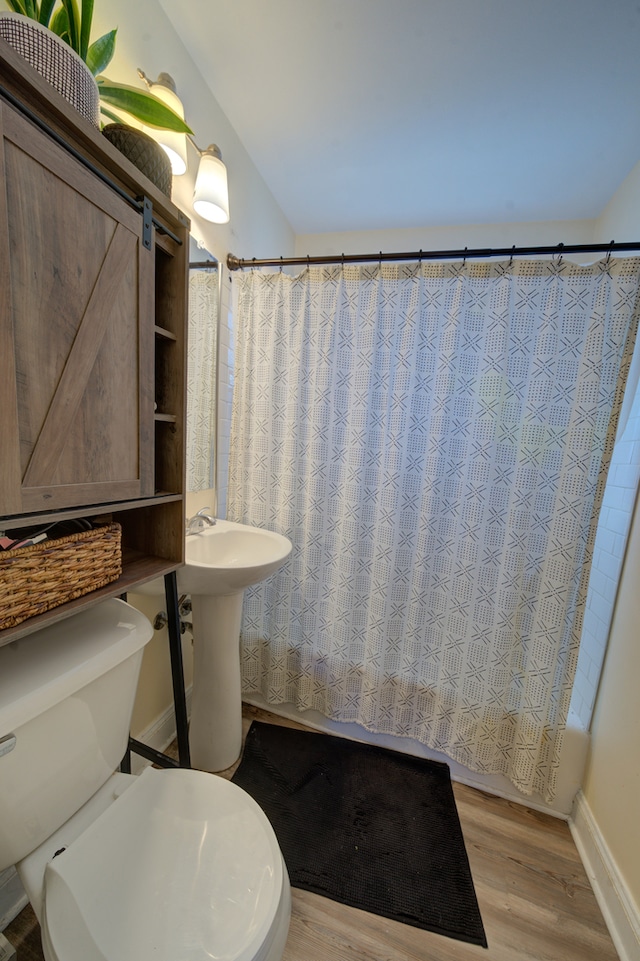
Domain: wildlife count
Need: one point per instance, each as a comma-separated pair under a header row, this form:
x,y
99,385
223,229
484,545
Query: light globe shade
x,y
211,194
174,144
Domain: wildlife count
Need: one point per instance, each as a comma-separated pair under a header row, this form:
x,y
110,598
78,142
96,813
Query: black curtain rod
x,y
237,263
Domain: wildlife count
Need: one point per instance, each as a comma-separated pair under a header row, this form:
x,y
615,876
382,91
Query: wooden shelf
x,y
99,453
136,569
8,522
162,332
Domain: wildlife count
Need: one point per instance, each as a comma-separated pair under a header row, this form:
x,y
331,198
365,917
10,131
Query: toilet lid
x,y
184,866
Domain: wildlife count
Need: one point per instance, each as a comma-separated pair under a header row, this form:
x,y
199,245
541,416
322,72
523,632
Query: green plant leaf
x,y
46,9
74,29
73,17
112,116
60,23
85,27
141,105
100,53
17,6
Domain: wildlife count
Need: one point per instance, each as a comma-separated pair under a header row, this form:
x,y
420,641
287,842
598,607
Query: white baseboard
x,y
618,907
158,735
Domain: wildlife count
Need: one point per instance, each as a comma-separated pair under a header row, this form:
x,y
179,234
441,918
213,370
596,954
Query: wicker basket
x,y
35,579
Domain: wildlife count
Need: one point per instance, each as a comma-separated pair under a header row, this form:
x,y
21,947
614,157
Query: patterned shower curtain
x,y
434,439
201,378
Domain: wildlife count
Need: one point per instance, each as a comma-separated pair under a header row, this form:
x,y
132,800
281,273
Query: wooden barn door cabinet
x,y
93,292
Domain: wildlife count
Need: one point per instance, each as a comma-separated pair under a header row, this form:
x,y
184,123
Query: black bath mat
x,y
368,827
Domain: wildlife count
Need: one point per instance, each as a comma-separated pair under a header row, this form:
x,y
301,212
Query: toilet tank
x,y
66,697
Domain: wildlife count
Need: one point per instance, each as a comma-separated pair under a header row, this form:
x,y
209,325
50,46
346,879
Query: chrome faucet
x,y
200,521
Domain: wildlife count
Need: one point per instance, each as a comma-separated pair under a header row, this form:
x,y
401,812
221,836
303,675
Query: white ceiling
x,y
364,114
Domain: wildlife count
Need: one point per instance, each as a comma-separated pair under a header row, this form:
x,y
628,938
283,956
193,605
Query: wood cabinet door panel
x,y
10,474
78,337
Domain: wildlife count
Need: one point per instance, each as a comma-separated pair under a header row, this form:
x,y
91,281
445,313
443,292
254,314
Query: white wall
x,y
611,790
147,40
447,238
607,811
620,219
257,227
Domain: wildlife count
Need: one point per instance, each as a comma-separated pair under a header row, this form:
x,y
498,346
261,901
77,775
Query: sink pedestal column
x,y
215,731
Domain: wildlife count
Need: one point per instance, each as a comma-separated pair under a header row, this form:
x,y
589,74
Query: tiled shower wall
x,y
611,540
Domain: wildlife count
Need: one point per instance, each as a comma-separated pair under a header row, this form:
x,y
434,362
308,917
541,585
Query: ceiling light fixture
x,y
174,144
211,194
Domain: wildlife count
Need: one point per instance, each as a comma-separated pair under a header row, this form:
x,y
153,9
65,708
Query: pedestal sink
x,y
220,562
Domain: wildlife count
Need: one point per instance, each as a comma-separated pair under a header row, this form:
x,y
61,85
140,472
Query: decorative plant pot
x,y
55,61
143,152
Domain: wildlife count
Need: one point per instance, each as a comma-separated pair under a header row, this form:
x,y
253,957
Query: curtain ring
x,y
280,263
464,259
308,262
560,249
420,258
380,261
608,257
511,257
342,260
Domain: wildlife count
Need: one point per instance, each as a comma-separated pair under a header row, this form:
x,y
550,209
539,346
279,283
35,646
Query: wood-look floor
x,y
534,896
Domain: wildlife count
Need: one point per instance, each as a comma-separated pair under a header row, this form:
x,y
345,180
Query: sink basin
x,y
220,562
225,559
229,557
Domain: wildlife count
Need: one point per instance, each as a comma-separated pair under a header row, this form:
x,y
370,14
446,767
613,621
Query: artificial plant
x,y
72,23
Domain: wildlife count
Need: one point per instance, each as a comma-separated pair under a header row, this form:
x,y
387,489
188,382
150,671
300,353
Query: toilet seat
x,y
184,866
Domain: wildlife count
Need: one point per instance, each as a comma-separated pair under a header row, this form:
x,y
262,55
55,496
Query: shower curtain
x,y
434,440
201,379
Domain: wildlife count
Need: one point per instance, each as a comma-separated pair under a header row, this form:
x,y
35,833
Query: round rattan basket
x,y
143,152
55,61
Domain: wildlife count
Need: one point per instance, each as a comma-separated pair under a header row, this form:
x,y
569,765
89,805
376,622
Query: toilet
x,y
169,865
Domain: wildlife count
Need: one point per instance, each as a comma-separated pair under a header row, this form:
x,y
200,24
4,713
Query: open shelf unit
x,y
102,434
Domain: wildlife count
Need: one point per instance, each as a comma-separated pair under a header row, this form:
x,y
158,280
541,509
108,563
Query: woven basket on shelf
x,y
35,579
